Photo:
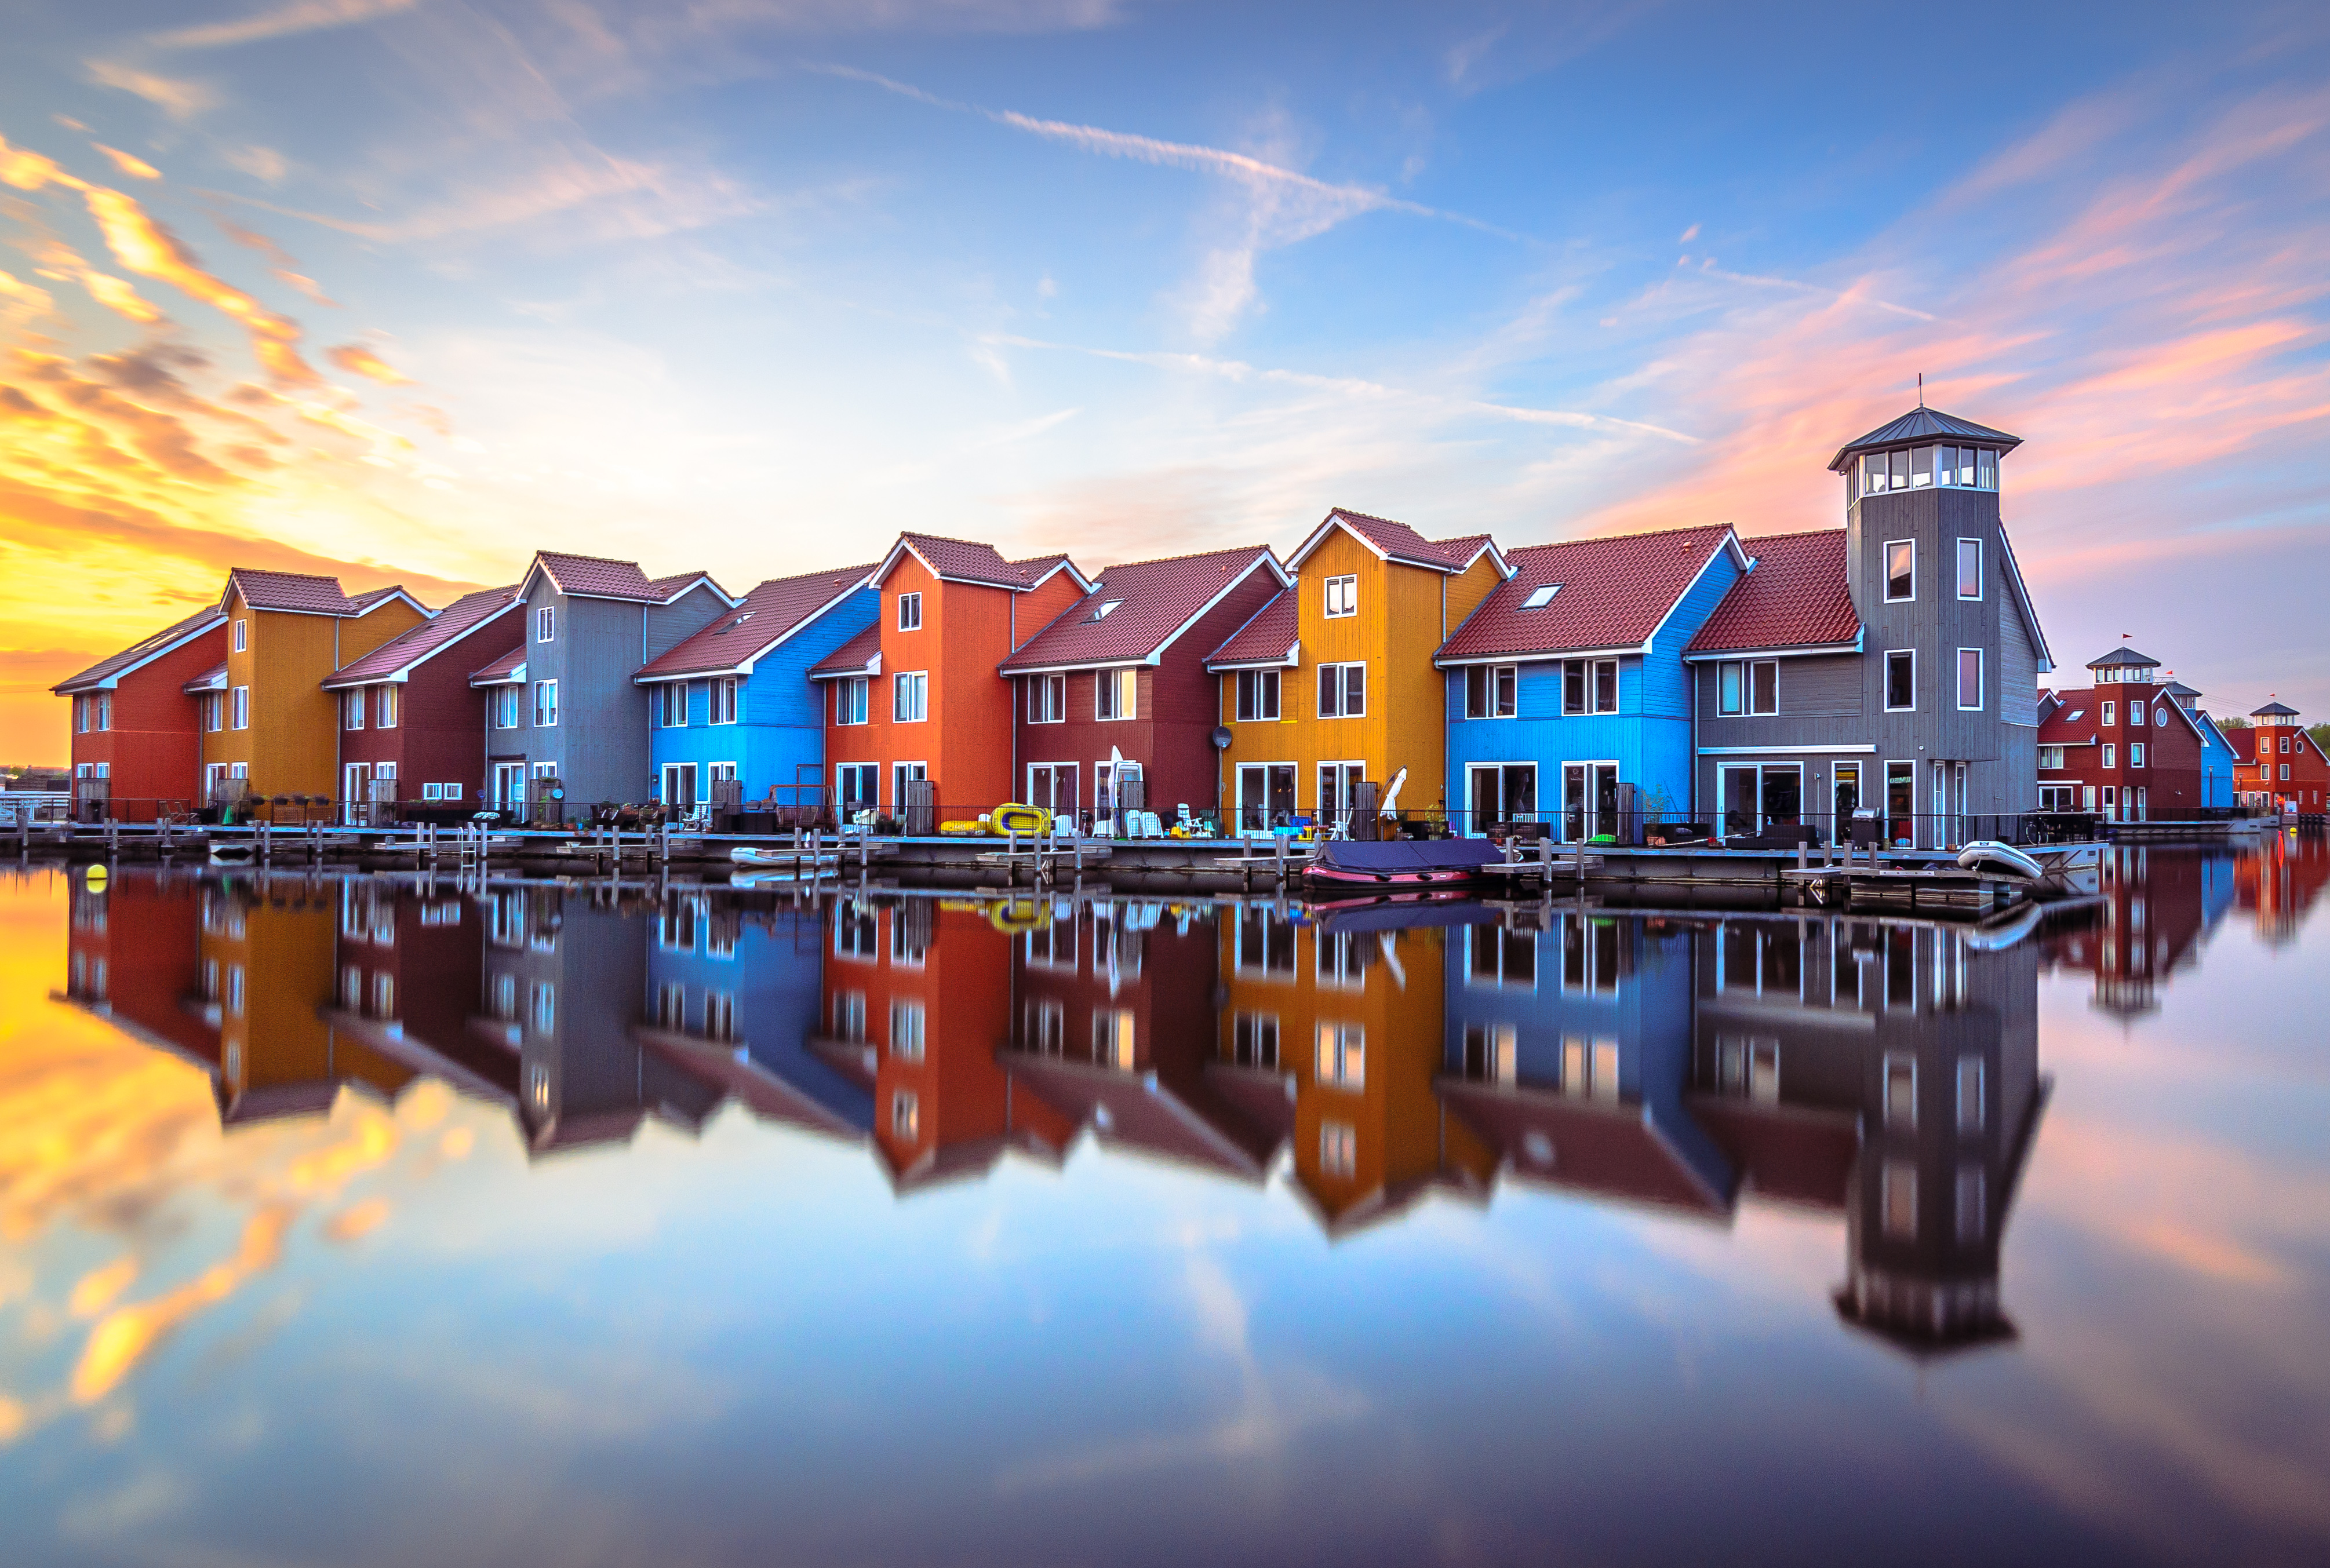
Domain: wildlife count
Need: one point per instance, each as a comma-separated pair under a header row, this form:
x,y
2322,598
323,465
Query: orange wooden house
x,y
916,696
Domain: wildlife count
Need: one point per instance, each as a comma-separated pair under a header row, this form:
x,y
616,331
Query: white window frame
x,y
1047,699
852,700
915,684
546,701
1339,596
1887,566
1977,593
384,707
545,623
506,707
353,705
1495,703
871,800
2136,753
1981,680
238,707
1343,709
241,635
1116,696
1248,683
1887,693
2111,756
723,694
910,611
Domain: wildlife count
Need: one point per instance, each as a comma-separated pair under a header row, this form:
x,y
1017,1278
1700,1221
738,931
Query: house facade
x,y
410,720
2278,766
1116,688
1568,681
1330,692
273,729
137,730
573,720
1891,664
2126,747
917,696
735,700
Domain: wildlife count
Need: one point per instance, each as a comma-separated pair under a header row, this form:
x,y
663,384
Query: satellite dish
x,y
1221,737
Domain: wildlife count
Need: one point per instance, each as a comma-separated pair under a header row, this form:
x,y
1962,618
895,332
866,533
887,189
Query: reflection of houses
x,y
916,997
1569,1050
406,970
2158,906
2281,882
1331,1032
132,960
1888,1072
266,949
1112,1024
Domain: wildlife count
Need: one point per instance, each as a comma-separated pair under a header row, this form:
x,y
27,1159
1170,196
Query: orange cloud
x,y
359,360
129,164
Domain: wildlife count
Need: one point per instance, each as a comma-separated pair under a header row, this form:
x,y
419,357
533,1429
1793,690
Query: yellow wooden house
x,y
266,718
1331,688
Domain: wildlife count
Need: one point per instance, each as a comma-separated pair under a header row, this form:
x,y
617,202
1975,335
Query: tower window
x,y
1900,570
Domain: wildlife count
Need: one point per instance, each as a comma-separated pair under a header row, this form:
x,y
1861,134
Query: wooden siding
x,y
292,744
152,749
1936,623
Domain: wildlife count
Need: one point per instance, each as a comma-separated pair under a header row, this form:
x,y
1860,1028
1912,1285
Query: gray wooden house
x,y
1891,663
565,709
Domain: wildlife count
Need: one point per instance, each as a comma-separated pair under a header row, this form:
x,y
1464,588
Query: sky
x,y
406,289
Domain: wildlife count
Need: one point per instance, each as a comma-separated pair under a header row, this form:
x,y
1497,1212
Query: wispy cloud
x,y
301,16
179,100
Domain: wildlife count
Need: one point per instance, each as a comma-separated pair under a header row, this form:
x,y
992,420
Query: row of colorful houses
x,y
1684,673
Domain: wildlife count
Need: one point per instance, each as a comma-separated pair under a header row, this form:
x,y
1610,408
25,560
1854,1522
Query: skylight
x,y
1540,597
2075,713
740,621
1103,612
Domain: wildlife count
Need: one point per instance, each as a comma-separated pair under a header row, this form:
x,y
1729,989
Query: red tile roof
x,y
210,680
2071,721
767,616
1269,638
1399,541
597,577
2242,741
456,622
1797,597
1154,601
102,672
962,560
1036,568
852,657
1610,593
289,591
360,602
501,671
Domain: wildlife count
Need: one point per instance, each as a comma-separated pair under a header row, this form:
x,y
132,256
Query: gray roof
x,y
1923,424
2176,688
2124,655
2274,711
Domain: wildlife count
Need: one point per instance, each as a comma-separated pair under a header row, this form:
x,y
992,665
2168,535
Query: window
x,y
854,787
2110,714
910,612
1339,1149
1573,687
545,624
1343,691
2284,772
906,1031
2050,758
385,708
2136,713
720,1016
239,703
1986,473
1589,686
905,1116
1900,570
2136,754
1257,695
671,704
723,700
1100,611
1342,597
1902,1091
1969,568
1047,699
1606,686
242,636
850,700
2111,755
213,712
352,710
2285,747
1343,1055
1112,1038
910,697
1540,597
1897,1199
1969,680
546,704
1751,687
1731,689
1902,680
1253,1040
1113,694
505,707
542,1006
1490,691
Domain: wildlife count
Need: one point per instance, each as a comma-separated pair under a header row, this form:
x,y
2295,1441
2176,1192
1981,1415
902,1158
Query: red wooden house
x,y
2124,747
916,696
411,724
2278,766
136,743
1122,672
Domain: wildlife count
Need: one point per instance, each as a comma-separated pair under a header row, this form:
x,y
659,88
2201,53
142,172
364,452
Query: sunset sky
x,y
406,289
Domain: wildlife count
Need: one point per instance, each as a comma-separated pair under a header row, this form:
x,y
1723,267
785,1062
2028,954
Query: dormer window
x,y
1540,597
1100,613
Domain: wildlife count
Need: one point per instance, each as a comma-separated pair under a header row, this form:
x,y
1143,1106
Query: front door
x,y
1848,799
356,784
509,786
1901,803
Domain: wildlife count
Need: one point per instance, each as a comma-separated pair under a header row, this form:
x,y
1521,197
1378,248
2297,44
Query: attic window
x,y
2075,713
1540,597
740,621
1101,613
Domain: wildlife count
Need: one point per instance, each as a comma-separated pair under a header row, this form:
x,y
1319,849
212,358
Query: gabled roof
x,y
1139,608
1923,424
2274,711
1399,542
1609,593
1610,1149
597,577
1269,637
106,673
395,659
762,619
2022,601
508,670
2178,689
304,593
2124,655
210,680
1796,595
2070,721
860,655
973,562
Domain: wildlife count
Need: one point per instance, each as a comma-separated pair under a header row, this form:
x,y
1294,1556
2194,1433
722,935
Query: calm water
x,y
343,1222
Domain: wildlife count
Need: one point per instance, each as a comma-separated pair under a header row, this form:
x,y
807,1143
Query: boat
x,y
1991,855
1402,863
240,852
754,857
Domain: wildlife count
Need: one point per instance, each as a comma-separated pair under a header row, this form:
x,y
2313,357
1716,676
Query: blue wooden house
x,y
1569,680
735,700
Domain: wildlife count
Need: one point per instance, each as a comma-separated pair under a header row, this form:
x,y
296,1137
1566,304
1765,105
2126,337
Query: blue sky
x,y
754,286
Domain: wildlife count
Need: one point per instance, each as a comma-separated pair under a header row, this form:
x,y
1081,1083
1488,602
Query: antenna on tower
x,y
1921,389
